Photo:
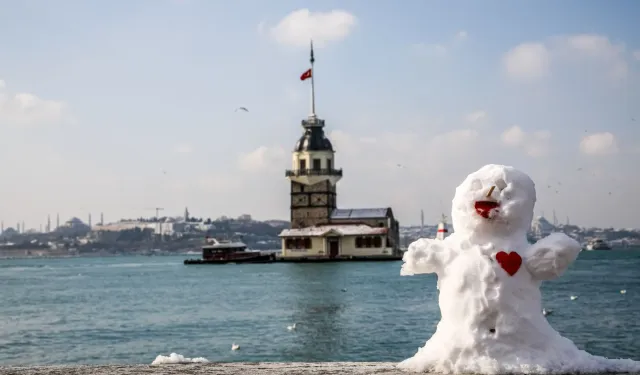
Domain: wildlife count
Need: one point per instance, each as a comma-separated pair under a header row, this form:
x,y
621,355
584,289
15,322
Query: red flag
x,y
305,75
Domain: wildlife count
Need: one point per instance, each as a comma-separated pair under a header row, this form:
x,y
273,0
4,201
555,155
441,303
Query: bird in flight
x,y
241,109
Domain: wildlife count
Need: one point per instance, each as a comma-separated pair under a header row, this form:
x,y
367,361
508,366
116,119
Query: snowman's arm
x,y
551,256
425,256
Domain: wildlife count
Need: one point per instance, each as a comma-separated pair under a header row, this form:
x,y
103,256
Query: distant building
x,y
541,227
245,218
318,227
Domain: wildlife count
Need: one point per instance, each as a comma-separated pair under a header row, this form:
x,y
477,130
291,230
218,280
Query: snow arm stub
x,y
425,256
550,257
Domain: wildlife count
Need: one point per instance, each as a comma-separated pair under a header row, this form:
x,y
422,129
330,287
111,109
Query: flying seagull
x,y
241,109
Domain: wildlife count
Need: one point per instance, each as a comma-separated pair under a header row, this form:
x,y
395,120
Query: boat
x,y
597,244
224,252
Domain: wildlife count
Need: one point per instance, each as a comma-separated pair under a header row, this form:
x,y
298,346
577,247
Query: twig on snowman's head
x,y
490,191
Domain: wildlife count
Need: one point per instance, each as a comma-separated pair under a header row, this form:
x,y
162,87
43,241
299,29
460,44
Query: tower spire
x,y
313,93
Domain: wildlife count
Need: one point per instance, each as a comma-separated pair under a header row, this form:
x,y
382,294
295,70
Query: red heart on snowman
x,y
510,262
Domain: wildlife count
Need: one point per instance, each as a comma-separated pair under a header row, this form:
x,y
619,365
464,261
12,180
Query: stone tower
x,y
313,175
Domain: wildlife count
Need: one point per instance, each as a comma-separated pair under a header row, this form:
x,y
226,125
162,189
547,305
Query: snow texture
x,y
174,358
492,321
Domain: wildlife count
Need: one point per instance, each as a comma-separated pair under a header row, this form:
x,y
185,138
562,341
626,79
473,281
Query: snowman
x,y
489,280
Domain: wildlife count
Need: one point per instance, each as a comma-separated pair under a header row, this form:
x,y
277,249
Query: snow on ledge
x,y
338,230
238,368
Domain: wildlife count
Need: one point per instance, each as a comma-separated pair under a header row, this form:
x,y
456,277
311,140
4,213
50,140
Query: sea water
x,y
130,309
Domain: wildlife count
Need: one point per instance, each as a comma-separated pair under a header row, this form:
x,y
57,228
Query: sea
x,y
130,309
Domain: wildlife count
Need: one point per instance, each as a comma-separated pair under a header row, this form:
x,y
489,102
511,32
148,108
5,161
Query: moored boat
x,y
223,252
597,244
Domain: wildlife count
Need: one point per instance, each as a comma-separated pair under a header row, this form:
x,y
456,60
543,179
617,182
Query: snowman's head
x,y
494,200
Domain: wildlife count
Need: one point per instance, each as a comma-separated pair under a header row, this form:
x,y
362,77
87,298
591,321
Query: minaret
x,y
48,223
89,221
57,221
442,228
186,214
313,174
101,218
421,223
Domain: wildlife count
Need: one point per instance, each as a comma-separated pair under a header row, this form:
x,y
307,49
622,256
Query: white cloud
x,y
476,116
527,61
599,144
462,35
439,49
28,109
636,55
534,60
300,26
513,136
262,158
534,144
183,148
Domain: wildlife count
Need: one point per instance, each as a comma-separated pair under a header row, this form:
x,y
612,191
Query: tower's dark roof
x,y
313,139
360,213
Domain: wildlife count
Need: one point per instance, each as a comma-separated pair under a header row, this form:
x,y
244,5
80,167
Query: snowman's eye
x,y
476,185
500,184
507,193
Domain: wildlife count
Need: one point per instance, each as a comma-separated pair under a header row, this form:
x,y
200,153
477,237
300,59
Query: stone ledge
x,y
248,368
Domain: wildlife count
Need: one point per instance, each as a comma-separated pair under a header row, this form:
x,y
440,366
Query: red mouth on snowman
x,y
487,208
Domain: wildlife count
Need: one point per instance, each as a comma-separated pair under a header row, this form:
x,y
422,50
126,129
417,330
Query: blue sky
x,y
131,104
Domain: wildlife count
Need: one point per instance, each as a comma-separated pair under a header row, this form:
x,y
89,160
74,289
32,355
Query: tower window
x,y
377,242
317,164
302,163
329,166
368,242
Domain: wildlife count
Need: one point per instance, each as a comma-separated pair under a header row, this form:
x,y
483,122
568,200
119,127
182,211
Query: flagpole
x,y
313,92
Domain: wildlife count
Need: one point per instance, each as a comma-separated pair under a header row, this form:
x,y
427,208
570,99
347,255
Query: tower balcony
x,y
313,176
313,172
313,121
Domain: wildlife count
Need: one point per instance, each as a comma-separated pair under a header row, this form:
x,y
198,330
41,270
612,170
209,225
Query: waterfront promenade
x,y
241,368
